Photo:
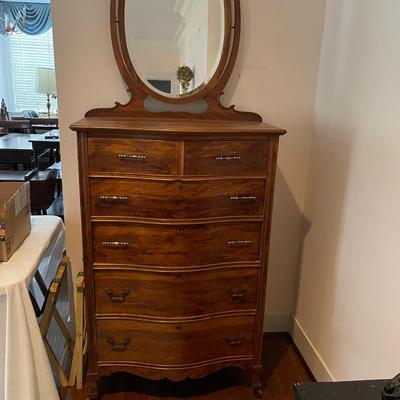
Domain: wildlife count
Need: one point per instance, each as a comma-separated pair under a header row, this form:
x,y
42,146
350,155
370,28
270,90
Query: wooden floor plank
x,y
283,368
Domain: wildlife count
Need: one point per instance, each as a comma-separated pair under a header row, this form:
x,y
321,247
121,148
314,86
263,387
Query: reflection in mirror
x,y
175,45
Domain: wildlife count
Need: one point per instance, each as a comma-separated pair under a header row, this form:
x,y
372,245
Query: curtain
x,y
37,16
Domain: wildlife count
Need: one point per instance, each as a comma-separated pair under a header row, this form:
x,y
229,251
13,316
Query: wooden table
x,y
25,176
40,123
23,125
21,148
49,140
16,176
15,148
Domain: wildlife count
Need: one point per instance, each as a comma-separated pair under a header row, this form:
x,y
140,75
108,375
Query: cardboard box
x,y
15,217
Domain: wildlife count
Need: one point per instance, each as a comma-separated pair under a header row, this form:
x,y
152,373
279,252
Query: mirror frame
x,y
215,86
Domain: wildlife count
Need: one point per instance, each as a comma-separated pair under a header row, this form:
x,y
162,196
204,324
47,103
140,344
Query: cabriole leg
x,y
256,381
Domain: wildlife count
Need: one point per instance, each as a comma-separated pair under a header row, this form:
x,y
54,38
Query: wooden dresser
x,y
176,220
176,214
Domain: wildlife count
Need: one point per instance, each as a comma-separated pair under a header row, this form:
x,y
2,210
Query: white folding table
x,y
25,372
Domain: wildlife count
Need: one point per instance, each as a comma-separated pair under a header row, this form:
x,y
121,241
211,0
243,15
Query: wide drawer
x,y
175,245
129,155
176,199
225,157
170,295
172,344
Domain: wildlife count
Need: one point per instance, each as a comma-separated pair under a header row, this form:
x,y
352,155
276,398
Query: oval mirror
x,y
176,47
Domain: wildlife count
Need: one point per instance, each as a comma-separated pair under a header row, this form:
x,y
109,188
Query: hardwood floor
x,y
283,368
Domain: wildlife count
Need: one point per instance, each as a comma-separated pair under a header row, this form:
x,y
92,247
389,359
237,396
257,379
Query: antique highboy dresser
x,y
176,214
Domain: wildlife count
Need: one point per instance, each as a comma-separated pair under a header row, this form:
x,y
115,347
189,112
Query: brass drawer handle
x,y
120,245
227,158
132,157
117,299
237,296
243,198
239,243
114,199
118,347
235,341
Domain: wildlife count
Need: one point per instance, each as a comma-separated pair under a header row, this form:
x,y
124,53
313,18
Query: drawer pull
x,y
237,296
235,341
227,158
116,245
132,157
239,243
117,299
114,199
119,347
243,198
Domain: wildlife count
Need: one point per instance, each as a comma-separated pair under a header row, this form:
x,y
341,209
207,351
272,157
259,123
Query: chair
x,y
57,167
43,186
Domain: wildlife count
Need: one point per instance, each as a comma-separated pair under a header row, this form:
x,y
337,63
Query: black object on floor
x,y
391,391
356,390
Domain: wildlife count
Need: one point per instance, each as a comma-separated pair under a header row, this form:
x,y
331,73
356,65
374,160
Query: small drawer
x,y
176,245
177,199
169,295
174,344
225,157
129,155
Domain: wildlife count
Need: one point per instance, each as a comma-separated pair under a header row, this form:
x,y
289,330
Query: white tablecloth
x,y
25,372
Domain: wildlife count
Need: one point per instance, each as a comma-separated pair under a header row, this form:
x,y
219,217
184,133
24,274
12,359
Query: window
x,y
25,54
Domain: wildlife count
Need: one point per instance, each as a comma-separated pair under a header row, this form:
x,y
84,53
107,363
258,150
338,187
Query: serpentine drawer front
x,y
175,344
176,294
177,199
175,245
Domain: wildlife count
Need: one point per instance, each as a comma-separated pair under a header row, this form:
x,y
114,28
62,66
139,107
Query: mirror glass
x,y
175,45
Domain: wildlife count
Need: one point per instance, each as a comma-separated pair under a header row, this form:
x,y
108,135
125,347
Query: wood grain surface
x,y
176,245
175,345
176,295
133,155
177,199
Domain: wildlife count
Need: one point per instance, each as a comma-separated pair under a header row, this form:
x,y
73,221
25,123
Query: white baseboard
x,y
284,322
310,354
277,322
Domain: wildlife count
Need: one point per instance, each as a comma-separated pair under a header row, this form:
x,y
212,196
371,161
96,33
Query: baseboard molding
x,y
277,322
310,354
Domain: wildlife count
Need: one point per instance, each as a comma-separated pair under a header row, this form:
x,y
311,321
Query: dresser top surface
x,y
171,127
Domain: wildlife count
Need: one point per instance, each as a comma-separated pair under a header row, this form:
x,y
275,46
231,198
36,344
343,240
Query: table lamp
x,y
46,84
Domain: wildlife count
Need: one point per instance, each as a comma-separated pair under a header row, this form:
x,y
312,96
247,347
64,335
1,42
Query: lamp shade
x,y
46,81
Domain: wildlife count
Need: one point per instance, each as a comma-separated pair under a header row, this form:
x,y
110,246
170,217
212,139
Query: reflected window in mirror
x,y
164,86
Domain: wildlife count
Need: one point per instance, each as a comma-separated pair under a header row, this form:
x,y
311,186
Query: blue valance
x,y
37,16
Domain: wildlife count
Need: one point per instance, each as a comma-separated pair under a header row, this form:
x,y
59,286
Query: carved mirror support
x,y
132,38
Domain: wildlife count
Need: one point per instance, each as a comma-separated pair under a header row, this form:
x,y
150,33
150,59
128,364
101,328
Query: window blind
x,y
27,53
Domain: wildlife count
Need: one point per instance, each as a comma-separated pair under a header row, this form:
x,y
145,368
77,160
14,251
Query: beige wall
x,y
87,77
276,75
348,302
